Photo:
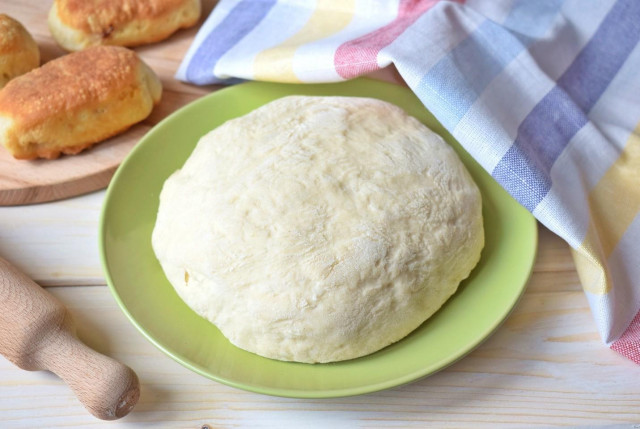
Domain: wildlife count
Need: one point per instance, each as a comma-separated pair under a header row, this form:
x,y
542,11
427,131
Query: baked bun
x,y
78,24
75,101
18,51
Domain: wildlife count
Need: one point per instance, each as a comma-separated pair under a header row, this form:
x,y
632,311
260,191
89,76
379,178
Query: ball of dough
x,y
319,229
19,53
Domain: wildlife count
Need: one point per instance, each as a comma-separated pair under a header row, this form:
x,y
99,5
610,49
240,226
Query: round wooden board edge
x,y
37,194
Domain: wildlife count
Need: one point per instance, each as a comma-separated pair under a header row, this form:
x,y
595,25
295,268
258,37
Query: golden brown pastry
x,y
19,53
78,24
75,101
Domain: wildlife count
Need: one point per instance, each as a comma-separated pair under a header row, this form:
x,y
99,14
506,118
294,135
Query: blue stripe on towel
x,y
525,169
460,77
240,21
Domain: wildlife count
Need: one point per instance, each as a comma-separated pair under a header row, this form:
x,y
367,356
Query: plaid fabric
x,y
544,94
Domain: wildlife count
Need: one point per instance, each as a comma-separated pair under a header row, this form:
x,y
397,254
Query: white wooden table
x,y
544,367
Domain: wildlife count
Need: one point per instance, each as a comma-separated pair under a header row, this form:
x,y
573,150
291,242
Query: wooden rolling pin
x,y
37,333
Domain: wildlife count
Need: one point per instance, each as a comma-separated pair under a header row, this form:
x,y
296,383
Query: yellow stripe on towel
x,y
329,17
613,203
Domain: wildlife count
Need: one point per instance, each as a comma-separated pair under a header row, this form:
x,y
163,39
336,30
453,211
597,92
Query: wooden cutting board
x,y
27,182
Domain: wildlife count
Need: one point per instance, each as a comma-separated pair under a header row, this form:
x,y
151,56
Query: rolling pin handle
x,y
37,333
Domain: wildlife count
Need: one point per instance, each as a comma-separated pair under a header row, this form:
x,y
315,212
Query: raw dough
x,y
318,229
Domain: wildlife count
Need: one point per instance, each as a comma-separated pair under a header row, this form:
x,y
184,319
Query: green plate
x,y
138,284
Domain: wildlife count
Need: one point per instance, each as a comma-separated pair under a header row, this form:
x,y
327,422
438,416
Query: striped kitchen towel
x,y
544,94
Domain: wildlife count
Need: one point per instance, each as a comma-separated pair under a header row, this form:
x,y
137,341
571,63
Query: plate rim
x,y
410,377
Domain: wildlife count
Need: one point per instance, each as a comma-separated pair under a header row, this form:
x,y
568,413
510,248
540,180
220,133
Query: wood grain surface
x,y
544,367
26,182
